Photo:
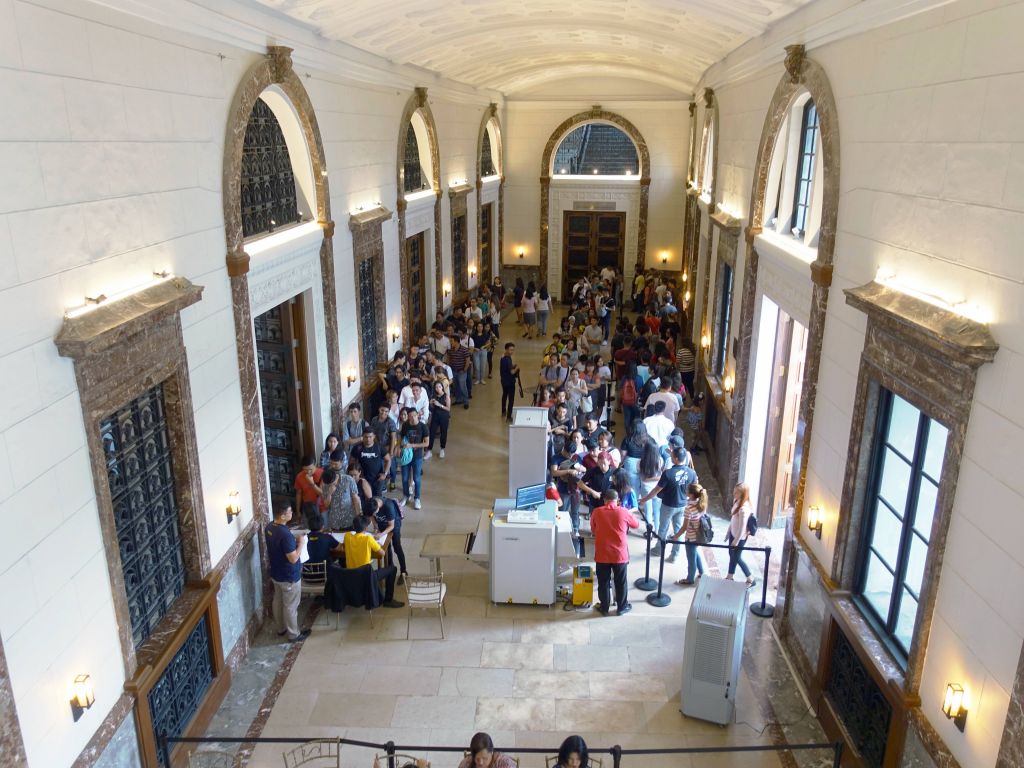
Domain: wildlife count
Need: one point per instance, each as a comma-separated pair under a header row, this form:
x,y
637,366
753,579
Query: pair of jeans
x,y
415,469
671,517
439,421
572,504
396,549
461,385
542,321
652,509
508,399
387,574
605,573
479,358
631,466
694,562
736,558
630,413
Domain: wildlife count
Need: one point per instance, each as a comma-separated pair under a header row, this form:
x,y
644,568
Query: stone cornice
x,y
360,219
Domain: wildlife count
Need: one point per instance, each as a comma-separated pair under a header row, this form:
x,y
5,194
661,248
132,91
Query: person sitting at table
x,y
388,518
319,545
360,547
573,753
482,754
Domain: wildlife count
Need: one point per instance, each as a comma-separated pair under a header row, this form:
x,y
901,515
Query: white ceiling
x,y
515,45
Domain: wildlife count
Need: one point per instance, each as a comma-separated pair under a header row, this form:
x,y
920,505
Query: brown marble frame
x,y
595,114
275,68
11,739
368,243
704,243
417,102
458,205
1011,747
491,115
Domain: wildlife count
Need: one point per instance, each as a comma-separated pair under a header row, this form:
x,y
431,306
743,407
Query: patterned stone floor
x,y
528,675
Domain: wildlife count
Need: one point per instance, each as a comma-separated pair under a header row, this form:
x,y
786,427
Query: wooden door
x,y
591,240
281,360
483,267
415,253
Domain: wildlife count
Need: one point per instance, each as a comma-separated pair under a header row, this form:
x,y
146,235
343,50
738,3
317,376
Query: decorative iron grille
x,y
857,700
267,182
368,319
139,471
459,263
413,170
487,167
176,696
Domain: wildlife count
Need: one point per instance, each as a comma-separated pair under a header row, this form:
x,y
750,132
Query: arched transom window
x,y
596,149
793,199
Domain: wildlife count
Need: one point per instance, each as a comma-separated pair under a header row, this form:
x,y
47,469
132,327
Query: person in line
x,y
353,426
416,437
633,450
672,489
440,417
530,312
573,753
285,574
343,504
307,487
596,481
629,386
330,446
508,372
414,396
650,469
374,461
696,506
461,362
659,426
686,363
483,344
517,299
481,749
388,518
566,469
668,396
738,531
543,310
610,524
360,548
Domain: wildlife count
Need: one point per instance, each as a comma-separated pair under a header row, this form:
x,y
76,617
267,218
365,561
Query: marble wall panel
x,y
240,595
914,753
807,609
122,751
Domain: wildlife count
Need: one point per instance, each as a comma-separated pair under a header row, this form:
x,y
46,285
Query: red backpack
x,y
627,395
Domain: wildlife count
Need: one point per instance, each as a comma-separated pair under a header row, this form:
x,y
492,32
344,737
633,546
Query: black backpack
x,y
705,533
752,525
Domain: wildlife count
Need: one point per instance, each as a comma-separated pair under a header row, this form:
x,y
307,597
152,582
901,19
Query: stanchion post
x,y
647,584
659,599
389,747
837,755
616,756
762,609
165,748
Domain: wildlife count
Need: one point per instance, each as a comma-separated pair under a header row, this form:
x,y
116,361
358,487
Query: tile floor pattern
x,y
528,675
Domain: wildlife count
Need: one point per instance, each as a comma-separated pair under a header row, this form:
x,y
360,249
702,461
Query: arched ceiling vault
x,y
509,45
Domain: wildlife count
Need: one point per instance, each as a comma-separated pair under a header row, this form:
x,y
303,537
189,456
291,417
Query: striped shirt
x,y
458,359
685,361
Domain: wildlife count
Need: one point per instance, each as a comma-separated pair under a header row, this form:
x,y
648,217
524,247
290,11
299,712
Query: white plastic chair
x,y
314,583
322,753
425,592
212,759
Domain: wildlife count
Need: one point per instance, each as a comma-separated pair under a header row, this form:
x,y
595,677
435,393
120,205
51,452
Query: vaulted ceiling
x,y
514,45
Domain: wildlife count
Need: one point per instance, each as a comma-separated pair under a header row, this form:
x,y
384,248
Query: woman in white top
x,y
530,312
737,535
575,389
543,309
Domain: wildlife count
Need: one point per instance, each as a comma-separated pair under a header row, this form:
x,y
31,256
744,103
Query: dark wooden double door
x,y
591,241
282,362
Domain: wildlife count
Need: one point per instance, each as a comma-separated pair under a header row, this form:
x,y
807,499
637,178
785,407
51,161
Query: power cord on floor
x,y
565,594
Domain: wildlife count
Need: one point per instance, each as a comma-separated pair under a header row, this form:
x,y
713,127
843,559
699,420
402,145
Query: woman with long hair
x,y
629,396
627,496
649,471
573,753
482,755
440,416
330,446
633,450
483,342
696,506
529,306
543,310
738,527
517,299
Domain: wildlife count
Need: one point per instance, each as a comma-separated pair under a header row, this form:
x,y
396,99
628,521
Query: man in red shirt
x,y
609,524
307,487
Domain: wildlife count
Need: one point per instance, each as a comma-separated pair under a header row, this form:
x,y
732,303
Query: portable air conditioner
x,y
712,649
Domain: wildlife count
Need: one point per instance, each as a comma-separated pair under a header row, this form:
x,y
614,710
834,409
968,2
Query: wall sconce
x,y
522,253
472,270
447,288
664,257
351,378
686,276
953,705
728,383
814,519
82,696
234,508
686,297
394,335
705,341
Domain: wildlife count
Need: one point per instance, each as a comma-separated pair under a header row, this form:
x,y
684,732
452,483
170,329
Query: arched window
x,y
596,149
794,176
415,178
708,169
268,195
487,167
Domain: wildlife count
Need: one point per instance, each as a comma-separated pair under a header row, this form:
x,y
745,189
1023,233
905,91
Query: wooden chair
x,y
425,592
213,759
322,753
314,583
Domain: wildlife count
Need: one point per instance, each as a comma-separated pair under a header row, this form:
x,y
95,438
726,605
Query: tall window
x,y
414,178
708,171
724,314
802,189
906,467
368,319
267,182
460,265
138,458
487,167
596,149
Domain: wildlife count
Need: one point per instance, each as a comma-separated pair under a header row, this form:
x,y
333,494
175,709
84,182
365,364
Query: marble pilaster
x,y
1011,747
368,244
11,742
459,206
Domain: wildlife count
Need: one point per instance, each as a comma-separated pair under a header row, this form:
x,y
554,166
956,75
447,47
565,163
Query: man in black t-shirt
x,y
509,372
374,460
388,518
321,546
414,436
596,481
671,489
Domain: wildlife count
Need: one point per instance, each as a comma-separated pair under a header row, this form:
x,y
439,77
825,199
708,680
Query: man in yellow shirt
x,y
360,548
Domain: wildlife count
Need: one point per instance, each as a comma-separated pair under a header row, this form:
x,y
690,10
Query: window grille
x,y
724,316
861,707
267,182
805,170
368,319
907,458
597,149
487,167
138,459
176,696
459,259
414,180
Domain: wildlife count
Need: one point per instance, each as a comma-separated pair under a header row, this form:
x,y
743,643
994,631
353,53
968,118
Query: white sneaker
x,y
416,504
427,454
442,453
481,382
404,501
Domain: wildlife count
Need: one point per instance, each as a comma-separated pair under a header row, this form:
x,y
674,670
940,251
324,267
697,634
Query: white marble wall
x,y
931,132
111,148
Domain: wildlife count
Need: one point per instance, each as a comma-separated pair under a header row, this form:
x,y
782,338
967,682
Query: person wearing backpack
x,y
629,395
696,531
740,525
672,490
